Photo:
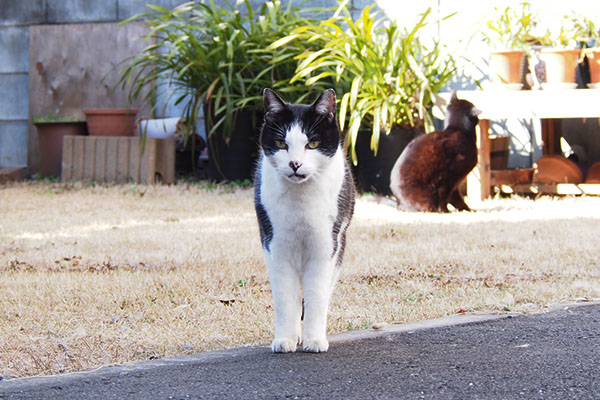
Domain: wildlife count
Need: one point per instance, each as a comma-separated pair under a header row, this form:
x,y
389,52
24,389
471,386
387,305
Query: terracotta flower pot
x,y
560,67
111,121
593,174
554,168
50,138
505,66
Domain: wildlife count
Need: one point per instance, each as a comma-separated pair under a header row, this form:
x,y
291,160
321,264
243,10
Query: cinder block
x,y
61,11
118,159
13,143
314,4
14,104
129,8
14,49
356,7
360,4
14,12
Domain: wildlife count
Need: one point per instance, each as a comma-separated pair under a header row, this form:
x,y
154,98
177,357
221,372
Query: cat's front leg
x,y
318,286
287,300
457,201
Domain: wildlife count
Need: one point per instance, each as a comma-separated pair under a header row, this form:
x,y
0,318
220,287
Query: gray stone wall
x,y
15,18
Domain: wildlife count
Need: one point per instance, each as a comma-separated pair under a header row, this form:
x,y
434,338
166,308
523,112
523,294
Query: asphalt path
x,y
555,355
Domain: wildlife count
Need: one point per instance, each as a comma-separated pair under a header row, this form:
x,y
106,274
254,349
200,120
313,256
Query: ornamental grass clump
x,y
387,74
214,57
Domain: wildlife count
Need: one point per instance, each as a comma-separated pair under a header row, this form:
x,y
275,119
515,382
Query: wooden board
x,y
562,189
511,176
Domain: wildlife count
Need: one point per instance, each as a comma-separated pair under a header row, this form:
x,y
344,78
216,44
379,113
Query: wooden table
x,y
550,106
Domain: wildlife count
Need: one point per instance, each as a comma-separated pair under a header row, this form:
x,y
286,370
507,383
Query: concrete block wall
x,y
14,59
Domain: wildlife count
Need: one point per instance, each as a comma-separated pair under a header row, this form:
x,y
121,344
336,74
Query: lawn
x,y
92,275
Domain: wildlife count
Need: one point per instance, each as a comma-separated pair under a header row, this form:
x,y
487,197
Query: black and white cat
x,y
304,199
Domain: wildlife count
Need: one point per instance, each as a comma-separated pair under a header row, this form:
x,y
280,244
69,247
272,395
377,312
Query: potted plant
x,y
213,59
587,35
386,77
556,53
509,32
51,130
559,57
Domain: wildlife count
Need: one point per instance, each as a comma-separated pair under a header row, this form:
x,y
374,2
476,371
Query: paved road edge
x,y
111,370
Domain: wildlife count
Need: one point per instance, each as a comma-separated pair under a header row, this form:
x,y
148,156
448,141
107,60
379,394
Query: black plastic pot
x,y
372,174
235,159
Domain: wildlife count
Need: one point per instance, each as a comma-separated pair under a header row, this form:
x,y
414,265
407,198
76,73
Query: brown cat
x,y
427,174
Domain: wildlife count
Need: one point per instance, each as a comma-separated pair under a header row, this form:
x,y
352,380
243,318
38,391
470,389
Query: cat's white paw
x,y
284,345
315,345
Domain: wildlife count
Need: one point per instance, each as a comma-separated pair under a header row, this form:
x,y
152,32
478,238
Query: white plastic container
x,y
162,128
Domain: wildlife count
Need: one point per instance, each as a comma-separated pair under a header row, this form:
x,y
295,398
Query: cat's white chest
x,y
302,213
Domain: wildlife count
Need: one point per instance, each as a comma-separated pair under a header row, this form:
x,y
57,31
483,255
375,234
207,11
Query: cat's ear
x,y
325,104
273,103
453,97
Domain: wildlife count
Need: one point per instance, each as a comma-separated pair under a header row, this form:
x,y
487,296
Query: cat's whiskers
x,y
316,174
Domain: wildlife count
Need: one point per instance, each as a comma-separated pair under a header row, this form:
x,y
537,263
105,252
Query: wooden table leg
x,y
551,133
484,158
479,180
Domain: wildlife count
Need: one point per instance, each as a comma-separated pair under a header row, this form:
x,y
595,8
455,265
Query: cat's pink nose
x,y
295,165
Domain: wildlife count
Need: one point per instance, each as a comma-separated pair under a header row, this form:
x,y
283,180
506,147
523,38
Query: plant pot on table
x,y
560,65
508,67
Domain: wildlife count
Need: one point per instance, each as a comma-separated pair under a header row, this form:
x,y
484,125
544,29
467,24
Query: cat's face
x,y
298,140
462,114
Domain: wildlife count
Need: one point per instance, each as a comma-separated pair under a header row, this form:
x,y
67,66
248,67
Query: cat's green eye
x,y
313,144
280,144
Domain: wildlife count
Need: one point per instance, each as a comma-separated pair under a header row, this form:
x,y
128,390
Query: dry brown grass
x,y
93,275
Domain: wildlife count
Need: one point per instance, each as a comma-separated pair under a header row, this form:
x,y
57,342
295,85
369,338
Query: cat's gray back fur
x,y
346,201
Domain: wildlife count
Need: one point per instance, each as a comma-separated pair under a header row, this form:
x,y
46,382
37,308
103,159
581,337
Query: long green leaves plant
x,y
387,75
216,57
